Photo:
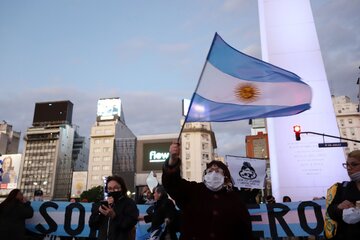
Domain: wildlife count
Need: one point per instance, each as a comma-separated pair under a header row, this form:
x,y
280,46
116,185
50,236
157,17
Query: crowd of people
x,y
211,209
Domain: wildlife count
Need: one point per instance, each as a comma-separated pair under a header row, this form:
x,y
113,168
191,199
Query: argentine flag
x,y
235,86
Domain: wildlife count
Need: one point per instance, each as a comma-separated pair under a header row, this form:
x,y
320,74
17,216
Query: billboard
x,y
155,154
9,170
79,181
53,113
108,107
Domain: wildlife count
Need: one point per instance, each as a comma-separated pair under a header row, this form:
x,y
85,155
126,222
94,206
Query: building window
x,y
97,141
96,168
97,150
350,121
96,159
187,136
205,156
205,137
342,122
205,146
187,145
106,168
107,158
108,131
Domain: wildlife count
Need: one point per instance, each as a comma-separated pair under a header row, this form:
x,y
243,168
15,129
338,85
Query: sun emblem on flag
x,y
247,93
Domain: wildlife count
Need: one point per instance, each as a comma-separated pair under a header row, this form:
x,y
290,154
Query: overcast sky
x,y
148,53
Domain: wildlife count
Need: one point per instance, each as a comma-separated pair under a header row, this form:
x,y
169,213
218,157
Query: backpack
x,y
330,226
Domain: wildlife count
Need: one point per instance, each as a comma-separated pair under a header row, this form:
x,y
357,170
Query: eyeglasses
x,y
350,165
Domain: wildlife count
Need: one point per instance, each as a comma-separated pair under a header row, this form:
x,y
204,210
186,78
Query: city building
x,y
48,149
348,120
80,154
257,146
112,146
9,139
197,149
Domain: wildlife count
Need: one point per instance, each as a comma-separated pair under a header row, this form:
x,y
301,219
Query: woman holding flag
x,y
210,209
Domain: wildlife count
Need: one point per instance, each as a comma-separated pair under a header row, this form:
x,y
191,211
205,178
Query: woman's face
x,y
6,164
352,165
113,186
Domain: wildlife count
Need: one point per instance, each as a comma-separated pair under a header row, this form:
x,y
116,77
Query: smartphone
x,y
105,203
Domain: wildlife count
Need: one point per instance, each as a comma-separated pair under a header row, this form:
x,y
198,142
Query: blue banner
x,y
268,220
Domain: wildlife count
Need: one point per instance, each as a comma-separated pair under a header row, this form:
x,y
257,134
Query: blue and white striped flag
x,y
235,86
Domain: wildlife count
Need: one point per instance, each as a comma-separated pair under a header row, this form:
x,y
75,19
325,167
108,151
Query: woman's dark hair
x,y
10,198
161,190
120,181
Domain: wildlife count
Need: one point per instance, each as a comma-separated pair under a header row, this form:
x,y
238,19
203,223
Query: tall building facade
x,y
197,148
112,145
47,158
9,139
80,154
348,120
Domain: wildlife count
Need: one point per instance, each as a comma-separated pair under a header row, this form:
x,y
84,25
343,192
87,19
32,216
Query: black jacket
x,y
163,208
12,220
206,214
119,228
344,230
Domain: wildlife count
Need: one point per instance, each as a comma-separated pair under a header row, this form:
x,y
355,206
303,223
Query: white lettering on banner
x,y
158,156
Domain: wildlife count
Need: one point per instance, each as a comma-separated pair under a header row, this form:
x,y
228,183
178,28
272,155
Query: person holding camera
x,y
115,218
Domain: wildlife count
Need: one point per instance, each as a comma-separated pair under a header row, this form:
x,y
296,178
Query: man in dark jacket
x,y
211,209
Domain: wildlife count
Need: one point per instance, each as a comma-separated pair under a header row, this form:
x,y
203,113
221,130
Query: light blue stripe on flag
x,y
235,86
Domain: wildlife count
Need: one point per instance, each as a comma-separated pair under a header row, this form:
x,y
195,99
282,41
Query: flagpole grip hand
x,y
174,153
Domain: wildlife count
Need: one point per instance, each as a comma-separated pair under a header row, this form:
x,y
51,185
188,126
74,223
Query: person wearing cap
x,y
212,209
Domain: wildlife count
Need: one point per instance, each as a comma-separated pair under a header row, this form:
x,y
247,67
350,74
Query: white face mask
x,y
214,181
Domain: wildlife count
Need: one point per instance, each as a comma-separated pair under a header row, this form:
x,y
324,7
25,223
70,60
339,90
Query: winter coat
x,y
122,227
163,208
12,220
207,214
344,230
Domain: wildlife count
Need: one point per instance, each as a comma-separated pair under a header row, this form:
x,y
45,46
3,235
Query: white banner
x,y
247,172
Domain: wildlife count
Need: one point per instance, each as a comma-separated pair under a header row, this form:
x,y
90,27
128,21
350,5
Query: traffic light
x,y
297,130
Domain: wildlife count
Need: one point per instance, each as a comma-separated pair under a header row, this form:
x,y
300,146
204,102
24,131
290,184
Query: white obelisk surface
x,y
299,169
